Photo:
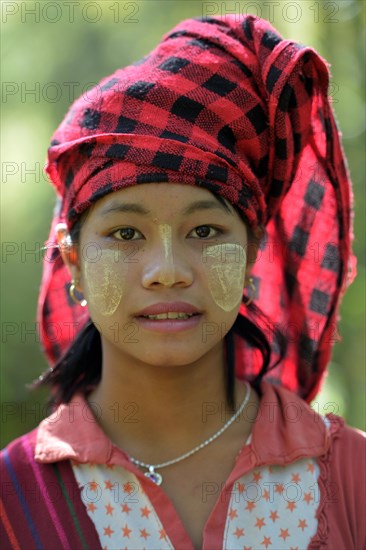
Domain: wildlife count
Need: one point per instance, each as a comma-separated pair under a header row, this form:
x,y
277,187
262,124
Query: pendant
x,y
154,476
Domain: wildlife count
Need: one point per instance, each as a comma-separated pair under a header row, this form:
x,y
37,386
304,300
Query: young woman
x,y
185,317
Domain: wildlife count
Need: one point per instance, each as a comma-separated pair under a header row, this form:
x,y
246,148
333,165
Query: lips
x,y
170,315
165,326
168,307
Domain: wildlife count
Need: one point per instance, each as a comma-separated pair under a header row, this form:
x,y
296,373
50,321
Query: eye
x,y
204,231
125,234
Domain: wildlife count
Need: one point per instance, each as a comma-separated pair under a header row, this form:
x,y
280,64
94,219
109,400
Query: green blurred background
x,y
54,51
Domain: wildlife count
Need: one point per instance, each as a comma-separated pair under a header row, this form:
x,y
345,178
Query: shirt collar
x,y
72,432
285,429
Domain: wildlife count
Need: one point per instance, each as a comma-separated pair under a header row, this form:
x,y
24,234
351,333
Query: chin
x,y
170,358
170,361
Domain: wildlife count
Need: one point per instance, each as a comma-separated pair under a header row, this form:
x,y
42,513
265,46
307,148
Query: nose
x,y
164,267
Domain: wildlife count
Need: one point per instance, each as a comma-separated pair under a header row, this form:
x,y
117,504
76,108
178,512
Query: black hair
x,y
80,368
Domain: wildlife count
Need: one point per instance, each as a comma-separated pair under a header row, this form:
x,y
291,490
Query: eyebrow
x,y
128,207
134,208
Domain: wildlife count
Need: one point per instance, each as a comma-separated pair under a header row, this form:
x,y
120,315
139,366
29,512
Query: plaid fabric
x,y
232,107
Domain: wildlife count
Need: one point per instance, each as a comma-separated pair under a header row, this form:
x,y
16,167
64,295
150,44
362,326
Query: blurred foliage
x,y
54,51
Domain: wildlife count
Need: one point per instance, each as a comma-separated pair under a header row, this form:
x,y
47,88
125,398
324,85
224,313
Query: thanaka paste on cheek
x,y
225,264
167,274
104,281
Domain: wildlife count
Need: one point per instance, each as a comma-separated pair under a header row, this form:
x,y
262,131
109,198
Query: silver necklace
x,y
157,478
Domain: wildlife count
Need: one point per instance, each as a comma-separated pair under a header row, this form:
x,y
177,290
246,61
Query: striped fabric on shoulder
x,y
38,500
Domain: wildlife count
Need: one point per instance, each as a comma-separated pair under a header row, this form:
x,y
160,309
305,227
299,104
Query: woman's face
x,y
152,246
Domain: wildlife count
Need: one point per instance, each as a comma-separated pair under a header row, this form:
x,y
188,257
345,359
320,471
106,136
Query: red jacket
x,y
41,505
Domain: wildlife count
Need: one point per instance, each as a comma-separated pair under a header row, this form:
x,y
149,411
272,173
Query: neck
x,y
155,413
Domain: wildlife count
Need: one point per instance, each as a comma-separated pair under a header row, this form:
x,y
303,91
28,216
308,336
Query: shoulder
x,y
19,452
345,440
40,502
347,451
21,472
344,474
18,469
19,464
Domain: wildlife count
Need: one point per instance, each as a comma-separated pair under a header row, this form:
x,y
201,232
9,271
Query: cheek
x,y
104,282
225,267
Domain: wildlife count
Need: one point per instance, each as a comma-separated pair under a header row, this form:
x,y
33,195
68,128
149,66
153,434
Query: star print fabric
x,y
274,507
230,106
271,507
119,508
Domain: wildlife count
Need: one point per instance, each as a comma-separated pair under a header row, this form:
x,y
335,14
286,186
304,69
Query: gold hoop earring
x,y
253,292
81,301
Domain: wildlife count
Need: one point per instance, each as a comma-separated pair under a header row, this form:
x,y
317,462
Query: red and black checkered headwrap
x,y
229,106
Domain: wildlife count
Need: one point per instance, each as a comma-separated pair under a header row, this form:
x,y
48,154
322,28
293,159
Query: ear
x,y
254,238
68,250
